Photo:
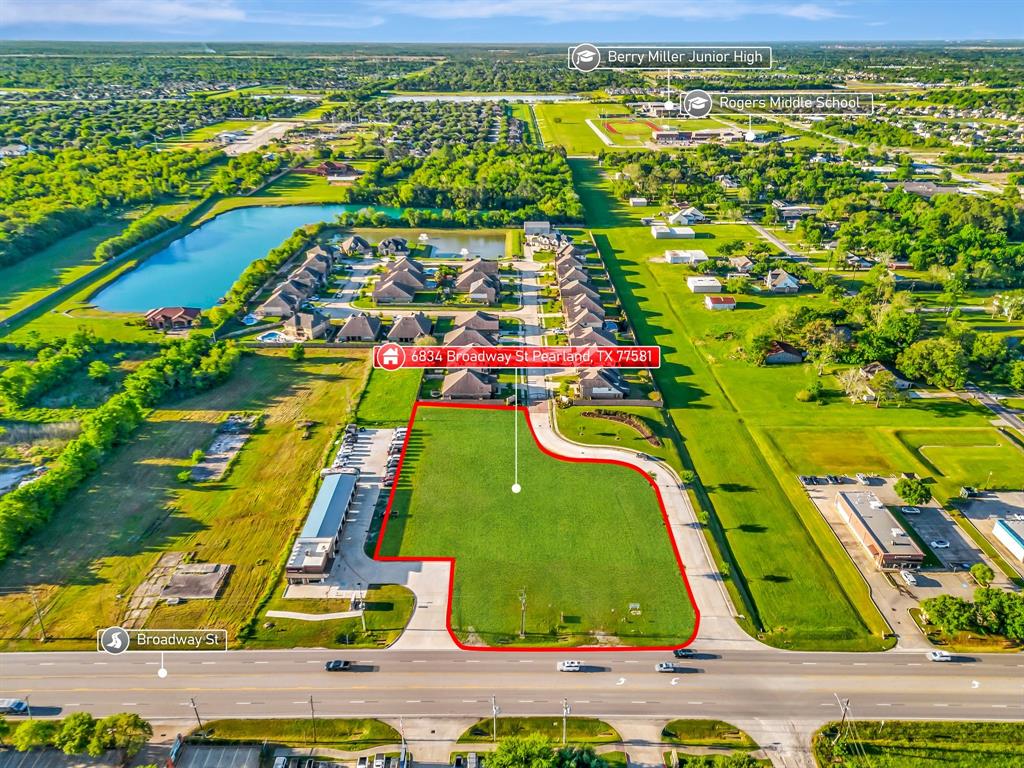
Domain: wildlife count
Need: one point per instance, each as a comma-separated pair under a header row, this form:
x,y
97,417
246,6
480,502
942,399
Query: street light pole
x,y
522,618
566,709
196,710
312,717
495,709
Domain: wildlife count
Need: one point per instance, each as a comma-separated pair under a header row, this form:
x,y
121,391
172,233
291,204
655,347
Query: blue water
x,y
199,268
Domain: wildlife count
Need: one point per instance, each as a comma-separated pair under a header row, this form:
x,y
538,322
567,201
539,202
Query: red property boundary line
x,y
451,560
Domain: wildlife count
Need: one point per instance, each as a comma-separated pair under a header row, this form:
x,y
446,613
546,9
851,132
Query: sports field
x,y
584,541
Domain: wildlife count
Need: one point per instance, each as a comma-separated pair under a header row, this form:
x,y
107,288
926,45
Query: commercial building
x,y
1010,533
703,284
878,532
319,542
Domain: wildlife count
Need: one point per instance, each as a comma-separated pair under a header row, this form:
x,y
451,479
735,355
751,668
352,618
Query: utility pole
x,y
495,709
522,619
39,613
566,709
312,717
196,710
845,707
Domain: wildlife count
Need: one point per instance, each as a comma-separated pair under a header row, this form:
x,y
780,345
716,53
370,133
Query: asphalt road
x,y
733,685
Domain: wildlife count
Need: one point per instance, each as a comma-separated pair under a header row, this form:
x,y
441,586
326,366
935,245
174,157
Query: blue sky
x,y
528,21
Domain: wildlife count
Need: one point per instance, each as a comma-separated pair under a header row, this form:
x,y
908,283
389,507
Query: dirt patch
x,y
228,441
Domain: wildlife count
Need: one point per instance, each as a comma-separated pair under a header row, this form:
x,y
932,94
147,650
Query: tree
x,y
913,490
854,383
940,362
5,729
126,732
297,352
982,574
33,734
1016,376
989,350
74,733
99,370
950,614
883,384
532,751
579,757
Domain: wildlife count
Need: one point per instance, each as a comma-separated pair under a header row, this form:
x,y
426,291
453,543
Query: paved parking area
x,y
934,524
219,757
989,507
51,758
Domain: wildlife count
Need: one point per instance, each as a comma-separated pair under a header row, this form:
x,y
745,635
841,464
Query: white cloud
x,y
554,11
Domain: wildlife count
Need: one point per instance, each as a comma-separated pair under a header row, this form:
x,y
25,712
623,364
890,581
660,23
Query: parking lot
x,y
219,757
984,510
51,758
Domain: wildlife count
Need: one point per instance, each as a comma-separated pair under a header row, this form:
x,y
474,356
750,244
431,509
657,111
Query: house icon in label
x,y
390,357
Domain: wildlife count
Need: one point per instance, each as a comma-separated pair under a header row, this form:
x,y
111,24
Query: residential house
x,y
485,289
703,284
790,213
591,337
536,227
355,246
481,265
687,215
574,288
602,384
719,303
780,281
304,326
392,290
782,353
173,318
393,246
742,264
281,303
638,202
467,384
408,328
584,303
925,189
871,370
360,327
584,319
467,337
479,321
570,273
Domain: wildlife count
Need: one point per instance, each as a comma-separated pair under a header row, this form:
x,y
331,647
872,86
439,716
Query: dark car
x,y
684,653
338,665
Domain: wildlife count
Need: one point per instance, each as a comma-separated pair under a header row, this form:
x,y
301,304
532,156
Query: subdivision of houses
x,y
407,329
360,327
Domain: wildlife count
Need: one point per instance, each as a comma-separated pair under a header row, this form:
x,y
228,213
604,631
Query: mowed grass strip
x,y
348,733
583,540
805,590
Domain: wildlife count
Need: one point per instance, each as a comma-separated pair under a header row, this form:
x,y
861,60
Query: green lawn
x,y
31,279
209,132
707,733
595,521
104,541
305,188
349,734
564,124
778,543
900,744
388,609
388,397
578,730
596,431
979,457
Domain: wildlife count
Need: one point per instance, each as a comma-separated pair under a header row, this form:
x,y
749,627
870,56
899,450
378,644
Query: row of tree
x,y
183,367
23,382
993,611
81,734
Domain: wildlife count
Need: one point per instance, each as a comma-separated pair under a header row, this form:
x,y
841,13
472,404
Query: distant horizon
x,y
524,43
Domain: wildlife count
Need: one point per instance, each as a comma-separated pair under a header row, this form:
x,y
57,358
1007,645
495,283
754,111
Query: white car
x,y
939,544
910,510
570,665
13,707
939,656
909,578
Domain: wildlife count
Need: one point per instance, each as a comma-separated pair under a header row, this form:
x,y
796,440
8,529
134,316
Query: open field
x,y
578,730
388,608
388,398
895,744
33,278
567,513
103,543
981,457
778,542
596,431
209,132
564,124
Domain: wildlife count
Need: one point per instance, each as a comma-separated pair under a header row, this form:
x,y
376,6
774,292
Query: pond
x,y
199,268
487,246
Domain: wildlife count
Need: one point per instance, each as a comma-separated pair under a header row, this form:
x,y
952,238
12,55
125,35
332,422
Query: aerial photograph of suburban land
x,y
543,384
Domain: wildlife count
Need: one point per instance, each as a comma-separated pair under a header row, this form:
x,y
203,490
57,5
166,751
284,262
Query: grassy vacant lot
x,y
579,730
68,259
895,744
388,608
802,589
112,531
707,733
388,397
981,457
572,538
596,431
349,734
